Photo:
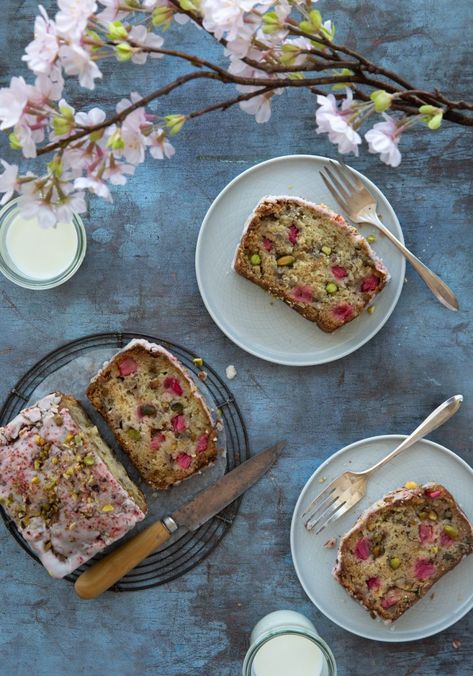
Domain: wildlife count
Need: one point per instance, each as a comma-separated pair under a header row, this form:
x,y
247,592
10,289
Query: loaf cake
x,y
400,547
61,486
155,412
309,257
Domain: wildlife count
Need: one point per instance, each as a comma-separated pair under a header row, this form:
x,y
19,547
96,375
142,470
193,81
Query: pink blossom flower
x,y
160,147
383,138
94,185
335,122
42,52
73,15
77,61
13,100
8,181
228,16
142,37
115,172
48,87
90,119
32,205
112,11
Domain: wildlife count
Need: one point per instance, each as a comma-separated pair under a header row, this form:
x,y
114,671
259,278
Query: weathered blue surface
x,y
139,275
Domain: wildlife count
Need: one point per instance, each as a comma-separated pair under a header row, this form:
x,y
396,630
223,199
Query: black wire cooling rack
x,y
187,551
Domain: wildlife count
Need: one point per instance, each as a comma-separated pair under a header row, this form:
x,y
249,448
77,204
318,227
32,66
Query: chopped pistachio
x,y
35,480
107,508
198,361
133,434
371,238
371,310
148,409
410,484
89,459
58,419
326,250
451,531
255,259
433,515
39,441
331,287
55,460
177,406
77,439
395,562
69,437
37,464
285,260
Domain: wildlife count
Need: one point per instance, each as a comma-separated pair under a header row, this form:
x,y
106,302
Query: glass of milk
x,y
286,643
36,257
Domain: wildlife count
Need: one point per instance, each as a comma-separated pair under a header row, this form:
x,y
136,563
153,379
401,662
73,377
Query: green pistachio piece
x,y
331,287
255,259
326,250
395,562
133,434
285,260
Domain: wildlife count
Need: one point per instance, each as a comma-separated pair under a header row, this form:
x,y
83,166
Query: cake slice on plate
x,y
156,413
62,487
400,547
309,257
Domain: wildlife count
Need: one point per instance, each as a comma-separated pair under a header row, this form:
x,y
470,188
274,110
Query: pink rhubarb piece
x,y
267,243
127,366
156,440
303,294
373,583
445,540
293,234
391,598
362,549
173,385
424,569
202,443
178,423
370,283
184,460
426,533
433,493
343,311
338,271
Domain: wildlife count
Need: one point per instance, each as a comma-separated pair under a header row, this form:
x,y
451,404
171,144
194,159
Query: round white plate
x,y
255,321
450,598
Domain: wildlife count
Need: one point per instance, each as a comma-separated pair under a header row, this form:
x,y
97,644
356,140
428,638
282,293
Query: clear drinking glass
x,y
9,269
313,658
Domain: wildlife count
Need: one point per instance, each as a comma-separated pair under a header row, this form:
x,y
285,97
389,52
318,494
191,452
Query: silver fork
x,y
348,489
360,205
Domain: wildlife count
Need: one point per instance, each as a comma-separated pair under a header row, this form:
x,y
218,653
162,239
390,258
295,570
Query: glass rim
x,y
267,636
18,278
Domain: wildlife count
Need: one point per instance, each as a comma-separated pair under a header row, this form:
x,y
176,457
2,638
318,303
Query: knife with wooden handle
x,y
103,574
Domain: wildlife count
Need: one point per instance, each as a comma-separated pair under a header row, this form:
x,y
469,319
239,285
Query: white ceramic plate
x,y
262,325
451,597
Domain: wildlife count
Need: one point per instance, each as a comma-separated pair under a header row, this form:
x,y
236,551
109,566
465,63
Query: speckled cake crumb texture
x,y
60,484
156,413
309,257
400,547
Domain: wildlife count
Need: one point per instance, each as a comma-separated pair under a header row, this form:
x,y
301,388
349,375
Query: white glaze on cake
x,y
59,492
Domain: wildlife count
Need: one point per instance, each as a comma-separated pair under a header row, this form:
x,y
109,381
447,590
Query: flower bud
x,y
124,51
271,23
174,123
314,23
14,141
55,167
431,115
115,142
162,16
381,99
117,31
61,125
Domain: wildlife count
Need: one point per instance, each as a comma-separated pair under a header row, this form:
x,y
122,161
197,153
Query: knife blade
x,y
206,504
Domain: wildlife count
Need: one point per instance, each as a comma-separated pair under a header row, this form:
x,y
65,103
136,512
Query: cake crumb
x,y
202,375
230,372
330,544
456,643
322,479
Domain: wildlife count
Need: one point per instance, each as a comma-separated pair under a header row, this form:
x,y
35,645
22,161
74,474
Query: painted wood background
x,y
139,275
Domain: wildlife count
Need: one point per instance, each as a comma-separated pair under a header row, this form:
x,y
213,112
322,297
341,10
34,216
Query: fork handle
x,y
441,291
438,417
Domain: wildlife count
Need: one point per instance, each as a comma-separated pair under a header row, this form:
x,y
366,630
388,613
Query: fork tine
x,y
336,515
344,192
314,521
321,509
334,193
340,171
319,498
349,172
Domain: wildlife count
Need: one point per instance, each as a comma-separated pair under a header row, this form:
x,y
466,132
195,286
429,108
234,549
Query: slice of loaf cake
x,y
400,547
62,487
156,413
309,257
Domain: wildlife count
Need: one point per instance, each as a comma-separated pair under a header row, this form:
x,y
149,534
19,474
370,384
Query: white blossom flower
x,y
43,50
70,204
112,11
335,122
94,185
135,142
32,205
142,37
48,87
160,147
259,106
383,138
13,100
8,181
115,172
72,17
28,136
77,61
90,119
227,17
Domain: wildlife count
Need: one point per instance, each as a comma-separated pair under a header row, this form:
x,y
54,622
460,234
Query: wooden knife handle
x,y
103,574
